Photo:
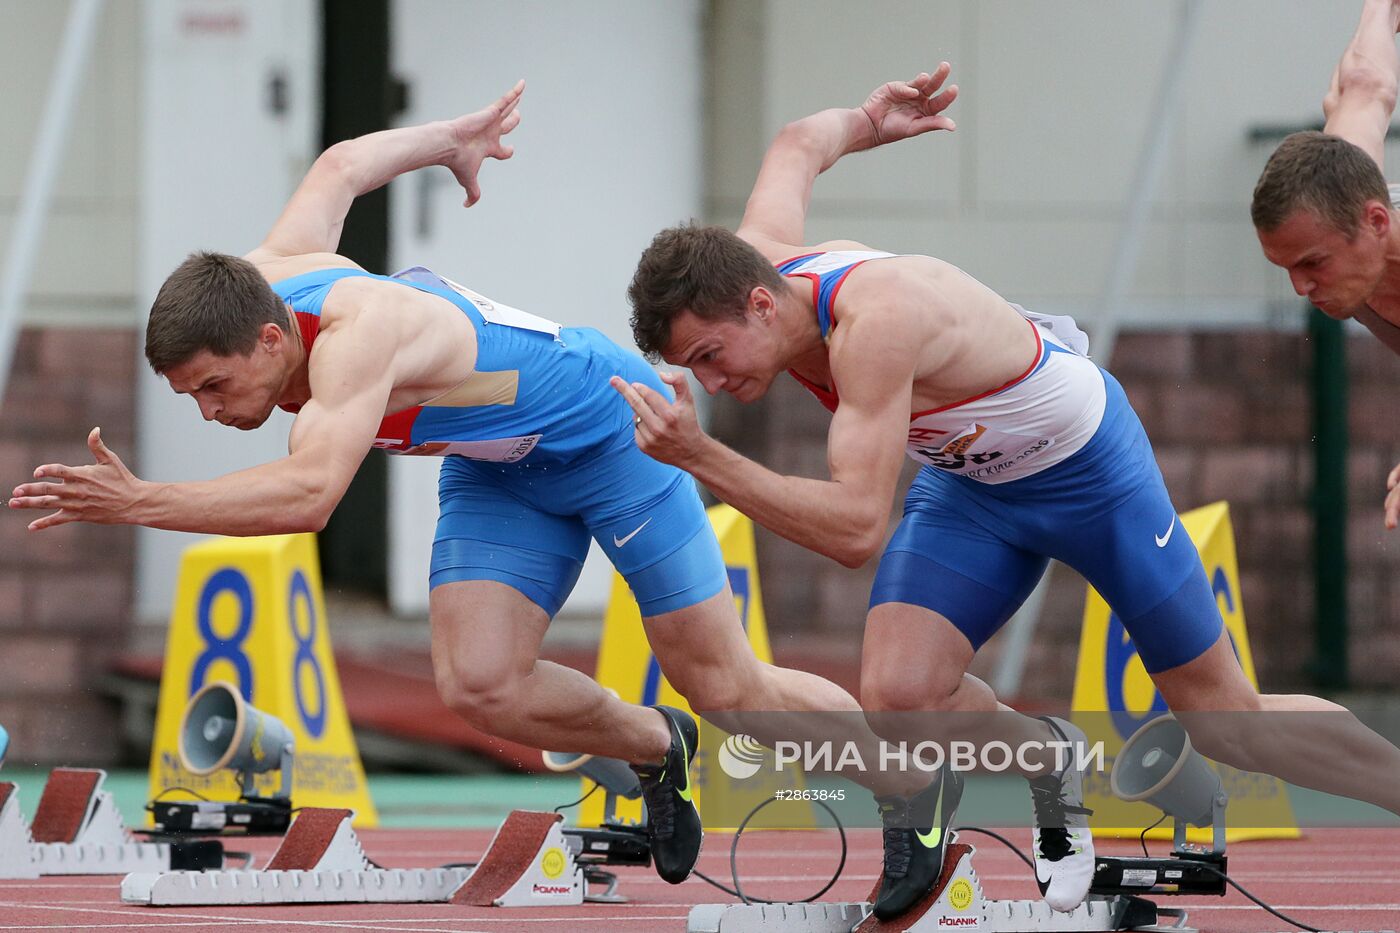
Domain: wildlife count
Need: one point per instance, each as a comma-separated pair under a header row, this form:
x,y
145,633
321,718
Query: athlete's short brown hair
x,y
214,302
706,270
1323,174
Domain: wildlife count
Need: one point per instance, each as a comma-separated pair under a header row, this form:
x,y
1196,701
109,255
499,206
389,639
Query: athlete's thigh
x,y
1213,680
488,531
914,649
706,638
945,558
483,632
648,519
1143,563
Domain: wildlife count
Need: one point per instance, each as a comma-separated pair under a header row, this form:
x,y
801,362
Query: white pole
x,y
1010,669
44,163
1146,180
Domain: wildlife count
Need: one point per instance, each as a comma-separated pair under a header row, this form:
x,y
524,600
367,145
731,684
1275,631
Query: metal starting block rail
x,y
529,863
955,903
78,831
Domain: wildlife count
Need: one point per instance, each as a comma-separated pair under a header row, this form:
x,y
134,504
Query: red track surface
x,y
1333,879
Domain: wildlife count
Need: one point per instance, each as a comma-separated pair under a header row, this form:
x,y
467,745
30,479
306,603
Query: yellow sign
x,y
627,666
249,611
1111,677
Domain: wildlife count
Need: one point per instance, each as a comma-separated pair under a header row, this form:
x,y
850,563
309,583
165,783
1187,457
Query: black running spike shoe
x,y
916,831
673,823
1063,844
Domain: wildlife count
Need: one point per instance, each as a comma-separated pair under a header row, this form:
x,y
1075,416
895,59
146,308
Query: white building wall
x,y
217,166
1029,193
85,271
608,152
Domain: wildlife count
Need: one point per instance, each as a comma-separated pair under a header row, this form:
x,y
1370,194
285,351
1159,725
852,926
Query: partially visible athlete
x,y
1029,450
538,455
1322,208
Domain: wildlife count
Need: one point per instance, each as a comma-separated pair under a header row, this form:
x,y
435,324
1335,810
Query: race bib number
x,y
497,450
979,452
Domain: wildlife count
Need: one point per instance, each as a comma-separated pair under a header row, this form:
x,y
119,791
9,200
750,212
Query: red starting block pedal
x,y
78,831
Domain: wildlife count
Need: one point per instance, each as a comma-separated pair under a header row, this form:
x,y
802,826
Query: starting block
x,y
320,861
955,903
16,845
78,831
529,863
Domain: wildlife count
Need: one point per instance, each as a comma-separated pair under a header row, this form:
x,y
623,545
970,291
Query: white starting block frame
x,y
331,867
100,846
547,876
960,905
16,845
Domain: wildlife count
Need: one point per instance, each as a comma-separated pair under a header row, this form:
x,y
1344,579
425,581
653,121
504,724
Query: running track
x,y
1335,879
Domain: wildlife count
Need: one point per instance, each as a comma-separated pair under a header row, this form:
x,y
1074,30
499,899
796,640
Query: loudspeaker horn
x,y
1158,764
221,730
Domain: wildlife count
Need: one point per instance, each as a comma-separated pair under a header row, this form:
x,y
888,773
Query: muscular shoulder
x,y
895,286
831,246
275,267
391,311
776,251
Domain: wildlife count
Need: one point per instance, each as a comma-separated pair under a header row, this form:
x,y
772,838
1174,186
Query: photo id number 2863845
x,y
809,794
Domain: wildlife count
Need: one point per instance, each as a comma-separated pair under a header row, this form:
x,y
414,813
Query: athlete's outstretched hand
x,y
901,109
478,137
1392,499
99,493
666,431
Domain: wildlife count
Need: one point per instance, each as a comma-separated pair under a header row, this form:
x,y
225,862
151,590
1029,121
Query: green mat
x,y
414,801
405,801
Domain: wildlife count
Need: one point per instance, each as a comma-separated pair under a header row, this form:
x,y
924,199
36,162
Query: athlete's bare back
x,y
433,343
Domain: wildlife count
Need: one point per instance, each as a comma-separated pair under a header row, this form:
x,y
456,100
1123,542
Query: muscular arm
x,y
1363,90
844,517
777,207
351,377
312,220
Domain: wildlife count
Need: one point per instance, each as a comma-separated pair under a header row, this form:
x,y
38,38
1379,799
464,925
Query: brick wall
x,y
1229,415
65,593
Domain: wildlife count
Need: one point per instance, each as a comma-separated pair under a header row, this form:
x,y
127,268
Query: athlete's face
x,y
1338,274
239,391
735,355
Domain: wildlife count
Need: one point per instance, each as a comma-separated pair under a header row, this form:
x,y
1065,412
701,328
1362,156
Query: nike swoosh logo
x,y
619,542
685,752
931,838
1160,539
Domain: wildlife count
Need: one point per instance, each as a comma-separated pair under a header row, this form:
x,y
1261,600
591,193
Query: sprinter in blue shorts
x,y
538,454
1030,451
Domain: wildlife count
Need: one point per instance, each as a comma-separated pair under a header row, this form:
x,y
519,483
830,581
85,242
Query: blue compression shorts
x,y
528,525
972,552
